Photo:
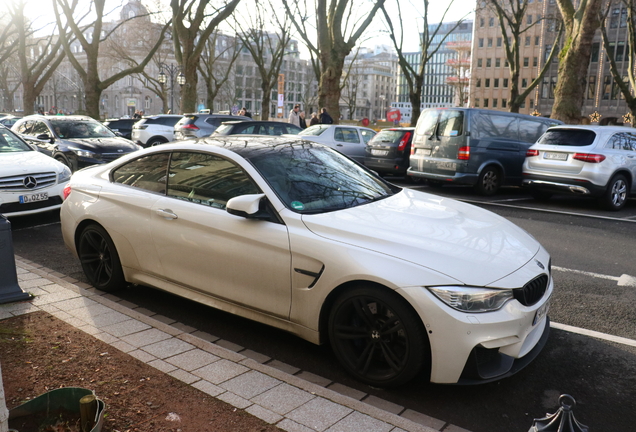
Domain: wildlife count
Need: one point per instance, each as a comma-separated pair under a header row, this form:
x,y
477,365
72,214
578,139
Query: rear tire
x,y
489,181
615,196
65,161
99,259
156,141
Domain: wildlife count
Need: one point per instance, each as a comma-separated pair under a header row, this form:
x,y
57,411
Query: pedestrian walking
x,y
294,117
314,119
325,118
303,122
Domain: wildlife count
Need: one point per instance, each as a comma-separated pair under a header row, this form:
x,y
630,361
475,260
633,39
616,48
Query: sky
x,y
376,34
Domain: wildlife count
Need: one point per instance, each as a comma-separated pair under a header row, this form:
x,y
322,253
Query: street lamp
x,y
172,70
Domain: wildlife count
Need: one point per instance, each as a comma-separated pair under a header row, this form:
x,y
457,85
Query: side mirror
x,y
247,206
45,138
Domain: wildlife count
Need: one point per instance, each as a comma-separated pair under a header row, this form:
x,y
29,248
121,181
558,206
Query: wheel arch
x,y
625,172
160,138
496,164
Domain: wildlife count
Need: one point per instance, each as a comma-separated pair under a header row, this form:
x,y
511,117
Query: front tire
x,y
99,259
489,181
615,196
377,337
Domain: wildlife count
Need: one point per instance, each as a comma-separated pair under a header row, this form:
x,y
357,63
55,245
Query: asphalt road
x,y
591,249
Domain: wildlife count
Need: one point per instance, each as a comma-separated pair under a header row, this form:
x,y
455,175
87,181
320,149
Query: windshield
x,y
314,130
316,179
9,143
81,129
568,137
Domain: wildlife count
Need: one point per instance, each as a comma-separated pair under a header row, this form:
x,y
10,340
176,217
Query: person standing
x,y
314,119
294,116
325,118
246,113
303,122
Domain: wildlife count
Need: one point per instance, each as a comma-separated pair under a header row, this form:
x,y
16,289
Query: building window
x,y
505,82
476,102
487,84
553,82
535,61
528,40
526,61
523,104
595,50
496,83
491,22
486,103
529,19
499,41
481,22
591,87
494,103
481,42
497,62
478,84
537,40
524,82
531,103
479,62
488,62
489,42
504,103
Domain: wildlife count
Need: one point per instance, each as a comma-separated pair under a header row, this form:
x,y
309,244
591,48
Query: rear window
x,y
446,123
314,130
568,137
388,136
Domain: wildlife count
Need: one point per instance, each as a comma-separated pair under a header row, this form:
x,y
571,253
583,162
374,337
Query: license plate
x,y
423,152
375,152
34,197
555,156
541,312
448,166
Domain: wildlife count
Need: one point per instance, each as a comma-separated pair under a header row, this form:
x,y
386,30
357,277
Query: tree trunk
x,y
416,102
329,91
266,100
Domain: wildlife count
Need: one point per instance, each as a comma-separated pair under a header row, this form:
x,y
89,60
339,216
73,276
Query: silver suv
x,y
153,130
596,161
202,125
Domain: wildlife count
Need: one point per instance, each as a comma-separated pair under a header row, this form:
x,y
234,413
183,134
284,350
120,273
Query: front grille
x,y
532,292
16,183
17,207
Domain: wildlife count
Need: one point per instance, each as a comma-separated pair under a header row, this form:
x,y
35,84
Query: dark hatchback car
x,y
201,125
76,141
124,126
388,152
256,128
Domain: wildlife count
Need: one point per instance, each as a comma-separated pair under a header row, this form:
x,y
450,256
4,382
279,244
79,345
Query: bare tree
x,y
267,49
193,22
580,25
217,61
351,84
415,78
511,15
9,84
339,26
90,36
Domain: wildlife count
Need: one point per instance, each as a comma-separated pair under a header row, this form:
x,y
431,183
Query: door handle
x,y
166,213
338,145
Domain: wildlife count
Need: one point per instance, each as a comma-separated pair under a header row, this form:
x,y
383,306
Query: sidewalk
x,y
279,394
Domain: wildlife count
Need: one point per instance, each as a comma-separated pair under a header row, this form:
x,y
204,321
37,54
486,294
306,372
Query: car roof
x,y
597,128
59,117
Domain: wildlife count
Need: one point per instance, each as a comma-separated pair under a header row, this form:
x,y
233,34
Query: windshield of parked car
x,y
9,143
81,129
314,130
568,137
316,179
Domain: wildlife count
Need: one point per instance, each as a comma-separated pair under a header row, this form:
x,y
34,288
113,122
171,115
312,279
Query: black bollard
x,y
10,291
561,421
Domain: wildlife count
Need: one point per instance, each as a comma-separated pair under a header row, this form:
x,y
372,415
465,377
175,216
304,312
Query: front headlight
x,y
64,176
471,299
83,153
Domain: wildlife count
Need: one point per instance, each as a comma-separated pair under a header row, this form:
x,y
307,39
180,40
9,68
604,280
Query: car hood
x,y
26,163
464,242
103,144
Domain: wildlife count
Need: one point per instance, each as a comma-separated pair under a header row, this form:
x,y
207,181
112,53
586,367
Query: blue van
x,y
482,148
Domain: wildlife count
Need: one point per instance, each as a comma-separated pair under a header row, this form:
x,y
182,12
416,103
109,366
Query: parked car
x,y
389,151
476,147
9,120
153,130
201,125
122,125
30,182
594,161
76,141
256,128
295,235
349,140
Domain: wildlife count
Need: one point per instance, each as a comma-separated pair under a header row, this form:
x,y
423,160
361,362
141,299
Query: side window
x,y
25,128
451,124
148,173
621,141
214,121
495,126
366,135
530,131
346,135
40,128
632,142
207,180
248,130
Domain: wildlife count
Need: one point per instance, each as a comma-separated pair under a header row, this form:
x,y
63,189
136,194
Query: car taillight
x,y
463,153
404,141
589,157
67,191
189,126
532,152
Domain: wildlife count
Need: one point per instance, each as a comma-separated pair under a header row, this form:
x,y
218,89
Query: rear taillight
x,y
67,191
589,157
463,153
532,152
190,127
404,141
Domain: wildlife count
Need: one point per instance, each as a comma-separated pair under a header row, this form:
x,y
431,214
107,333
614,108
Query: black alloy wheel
x,y
615,196
99,259
377,336
489,181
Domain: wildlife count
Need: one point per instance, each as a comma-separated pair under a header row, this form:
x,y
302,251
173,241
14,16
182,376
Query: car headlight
x,y
471,299
83,153
65,175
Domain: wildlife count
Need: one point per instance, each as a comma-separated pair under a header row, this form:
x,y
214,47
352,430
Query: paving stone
x,y
142,355
123,346
34,283
167,348
111,297
283,398
107,319
208,387
261,358
91,330
27,276
453,428
383,404
319,414
205,336
283,367
184,328
125,328
292,426
250,384
220,371
126,303
264,414
347,391
145,337
193,359
313,378
164,319
105,337
145,311
423,419
184,376
54,297
75,303
234,400
229,345
162,365
356,422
